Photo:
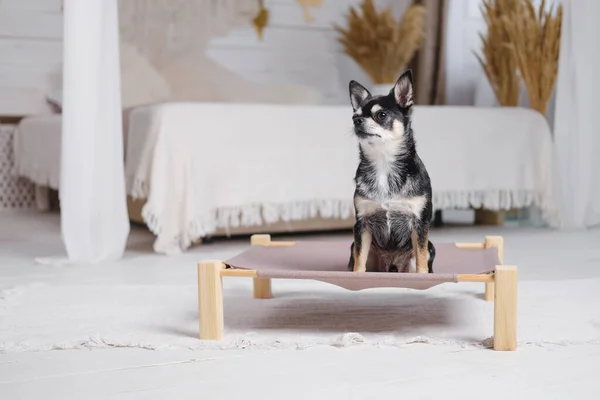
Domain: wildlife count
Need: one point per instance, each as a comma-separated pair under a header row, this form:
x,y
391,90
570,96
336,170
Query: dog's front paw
x,y
359,268
356,266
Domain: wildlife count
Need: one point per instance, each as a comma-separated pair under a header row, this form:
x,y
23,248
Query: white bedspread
x,y
37,149
205,166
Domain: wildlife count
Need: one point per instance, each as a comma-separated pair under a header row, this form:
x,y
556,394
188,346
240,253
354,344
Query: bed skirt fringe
x,y
259,214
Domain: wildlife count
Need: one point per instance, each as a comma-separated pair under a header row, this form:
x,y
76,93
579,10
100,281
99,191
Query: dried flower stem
x,y
535,41
382,46
499,62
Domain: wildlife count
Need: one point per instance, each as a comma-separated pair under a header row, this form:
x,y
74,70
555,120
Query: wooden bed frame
x,y
500,287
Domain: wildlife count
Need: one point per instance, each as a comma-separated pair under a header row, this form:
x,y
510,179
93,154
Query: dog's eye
x,y
380,116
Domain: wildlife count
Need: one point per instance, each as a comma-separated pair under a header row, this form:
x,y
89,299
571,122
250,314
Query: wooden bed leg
x,y
210,300
42,198
262,286
498,242
260,240
489,291
489,217
505,308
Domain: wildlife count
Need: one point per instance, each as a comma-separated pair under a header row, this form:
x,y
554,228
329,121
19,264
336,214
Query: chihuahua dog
x,y
392,199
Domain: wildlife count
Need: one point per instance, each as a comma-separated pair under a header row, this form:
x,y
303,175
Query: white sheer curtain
x,y
94,217
462,72
576,130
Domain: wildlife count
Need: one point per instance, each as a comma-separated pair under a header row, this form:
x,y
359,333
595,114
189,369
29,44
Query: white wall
x,y
292,51
464,73
30,45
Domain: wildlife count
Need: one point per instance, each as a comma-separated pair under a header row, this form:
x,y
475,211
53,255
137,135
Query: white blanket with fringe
x,y
37,148
204,166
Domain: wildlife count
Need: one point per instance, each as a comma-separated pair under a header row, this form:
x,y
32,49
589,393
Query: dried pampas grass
x,y
522,44
498,61
535,41
380,44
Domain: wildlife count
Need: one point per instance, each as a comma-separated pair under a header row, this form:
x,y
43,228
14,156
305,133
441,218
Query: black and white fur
x,y
392,199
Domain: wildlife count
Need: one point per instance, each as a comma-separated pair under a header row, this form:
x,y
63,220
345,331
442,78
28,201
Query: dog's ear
x,y
358,94
403,90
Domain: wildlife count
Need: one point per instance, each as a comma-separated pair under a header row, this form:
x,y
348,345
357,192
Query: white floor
x,y
416,371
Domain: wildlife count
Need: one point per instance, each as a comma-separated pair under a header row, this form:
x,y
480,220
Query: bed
x,y
326,261
199,169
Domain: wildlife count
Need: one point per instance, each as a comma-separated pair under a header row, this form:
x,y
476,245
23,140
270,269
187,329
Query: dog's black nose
x,y
357,120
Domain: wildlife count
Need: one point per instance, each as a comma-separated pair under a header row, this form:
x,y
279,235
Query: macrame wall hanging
x,y
165,30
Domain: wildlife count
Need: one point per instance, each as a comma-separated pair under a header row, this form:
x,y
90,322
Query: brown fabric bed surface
x,y
328,261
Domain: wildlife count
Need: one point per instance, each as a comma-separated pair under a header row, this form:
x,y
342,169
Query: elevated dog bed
x,y
327,262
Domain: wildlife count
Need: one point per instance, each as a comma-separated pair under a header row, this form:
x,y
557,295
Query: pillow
x,y
196,77
140,82
54,89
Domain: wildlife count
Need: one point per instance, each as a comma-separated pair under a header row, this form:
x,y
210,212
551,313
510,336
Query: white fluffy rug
x,y
303,314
